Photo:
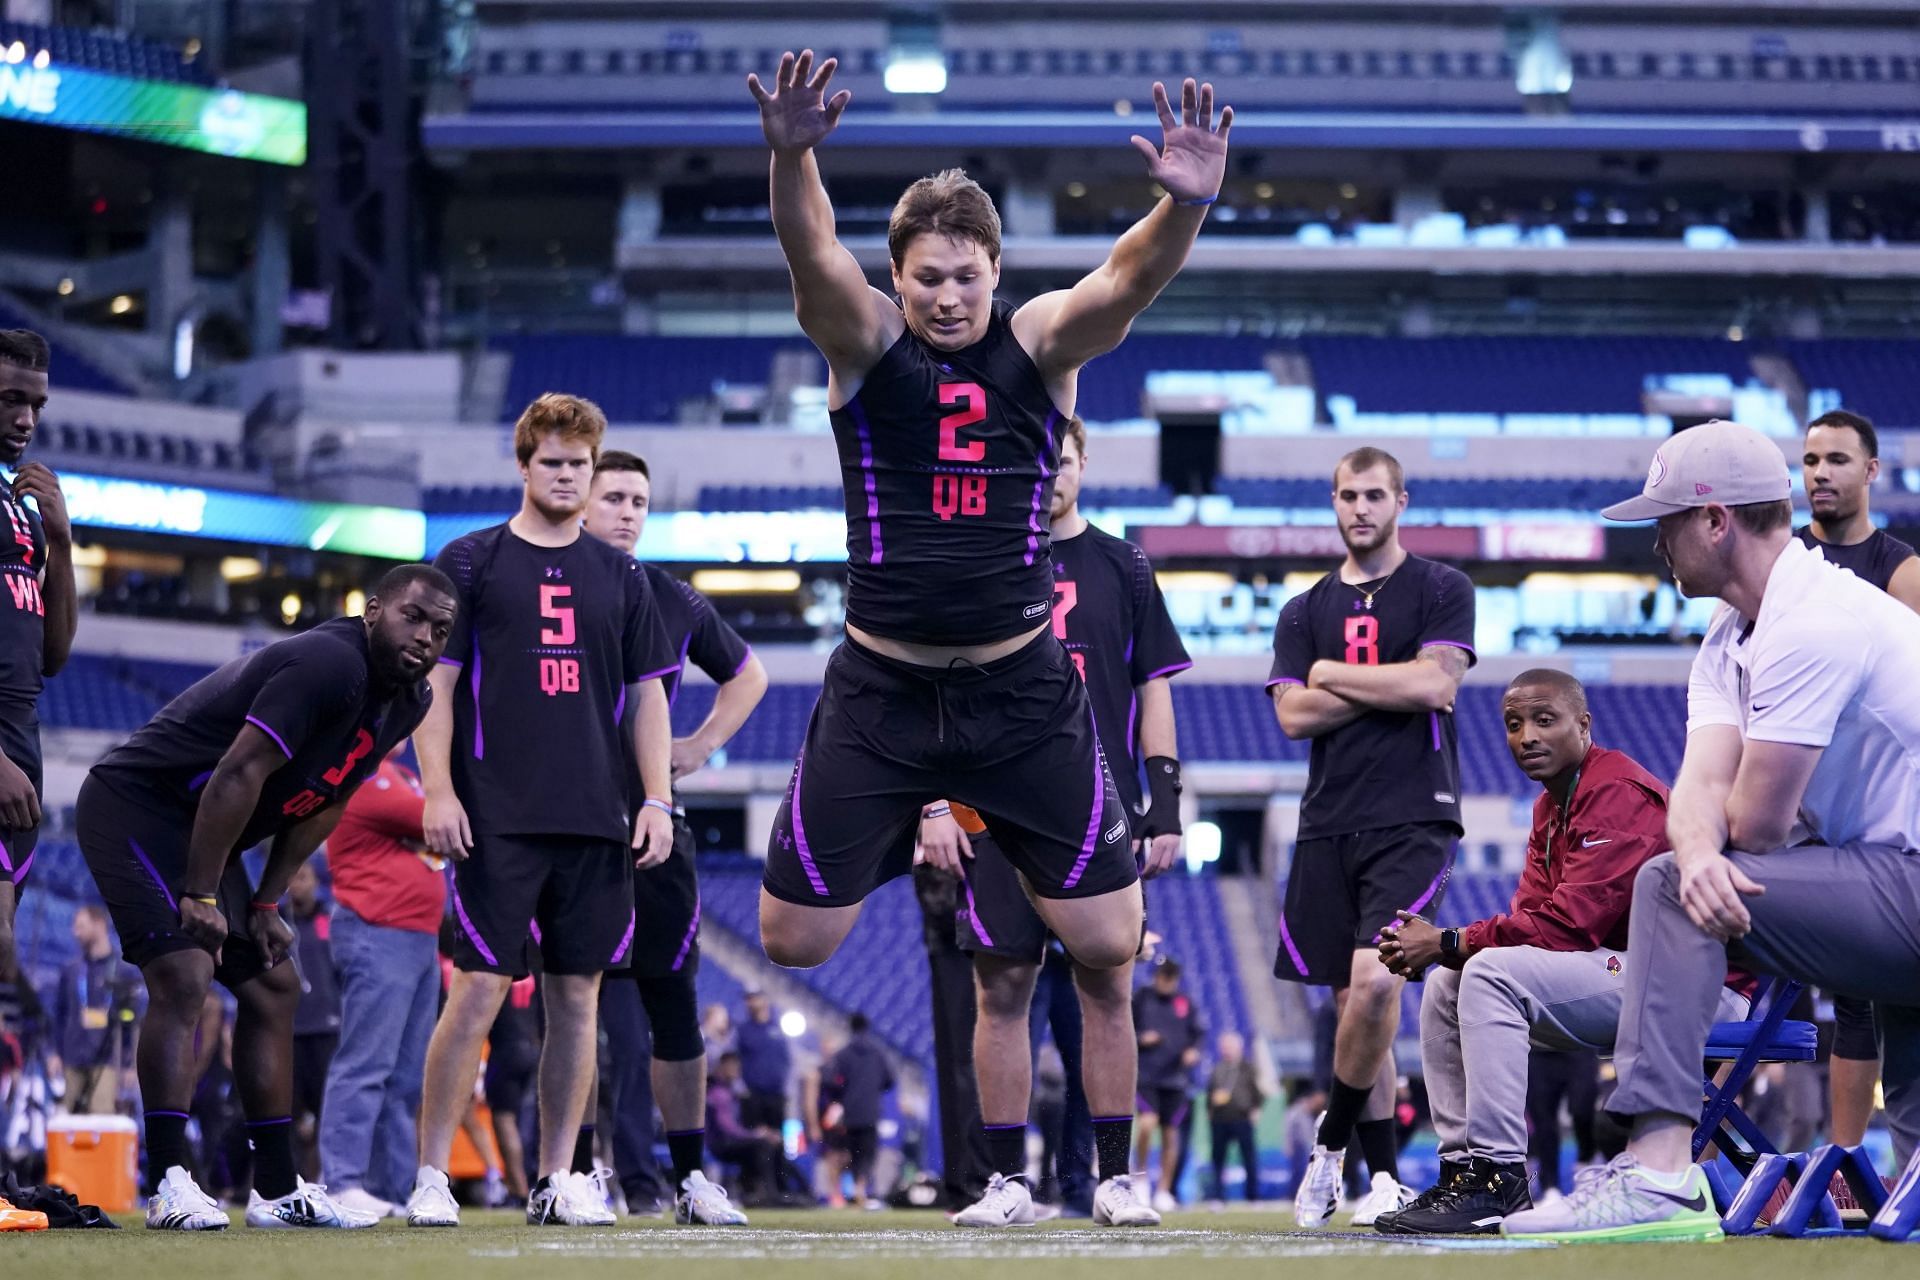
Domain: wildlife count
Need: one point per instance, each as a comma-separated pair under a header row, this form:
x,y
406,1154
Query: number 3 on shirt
x,y
1363,640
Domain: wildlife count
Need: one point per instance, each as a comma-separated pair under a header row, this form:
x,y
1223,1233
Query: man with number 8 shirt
x,y
1367,663
948,411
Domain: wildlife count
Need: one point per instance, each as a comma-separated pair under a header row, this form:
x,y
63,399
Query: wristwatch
x,y
1450,944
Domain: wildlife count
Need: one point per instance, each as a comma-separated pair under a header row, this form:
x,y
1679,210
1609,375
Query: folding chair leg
x,y
1811,1204
1768,1172
1863,1179
1899,1217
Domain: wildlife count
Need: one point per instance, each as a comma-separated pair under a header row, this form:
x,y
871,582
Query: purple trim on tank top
x,y
466,922
1425,898
626,939
686,943
1175,669
160,884
1293,952
1040,488
800,833
656,675
267,729
1093,820
479,737
875,552
973,917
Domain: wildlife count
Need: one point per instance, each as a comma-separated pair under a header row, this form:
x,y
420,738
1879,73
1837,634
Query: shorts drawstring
x,y
940,697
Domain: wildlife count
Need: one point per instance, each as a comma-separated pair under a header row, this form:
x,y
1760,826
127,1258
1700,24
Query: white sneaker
x,y
432,1203
702,1203
1118,1203
360,1200
178,1204
601,1180
569,1199
1386,1196
1007,1203
307,1205
1317,1199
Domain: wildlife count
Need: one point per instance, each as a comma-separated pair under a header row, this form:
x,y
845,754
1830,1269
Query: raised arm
x,y
58,596
1065,329
852,323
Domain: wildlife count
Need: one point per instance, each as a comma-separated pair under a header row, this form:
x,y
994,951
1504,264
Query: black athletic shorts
x,y
573,895
1012,738
1170,1104
20,743
1853,1037
996,917
139,861
666,914
1343,890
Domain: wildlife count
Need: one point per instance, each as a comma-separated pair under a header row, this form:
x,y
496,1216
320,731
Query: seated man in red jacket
x,y
1547,973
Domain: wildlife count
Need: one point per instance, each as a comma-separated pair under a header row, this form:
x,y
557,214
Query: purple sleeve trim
x,y
656,675
455,663
1286,680
1175,669
1448,644
743,664
267,729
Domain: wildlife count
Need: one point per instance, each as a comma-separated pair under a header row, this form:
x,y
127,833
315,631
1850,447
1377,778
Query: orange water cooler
x,y
94,1157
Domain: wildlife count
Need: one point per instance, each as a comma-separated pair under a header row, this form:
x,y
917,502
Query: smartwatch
x,y
1450,944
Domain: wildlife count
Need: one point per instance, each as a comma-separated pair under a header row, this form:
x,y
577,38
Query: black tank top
x,y
1872,559
23,617
948,459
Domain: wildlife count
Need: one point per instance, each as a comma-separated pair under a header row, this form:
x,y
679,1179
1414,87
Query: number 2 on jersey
x,y
961,494
1363,640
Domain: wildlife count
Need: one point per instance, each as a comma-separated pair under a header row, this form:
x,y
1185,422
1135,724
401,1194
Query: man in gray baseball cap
x,y
1794,824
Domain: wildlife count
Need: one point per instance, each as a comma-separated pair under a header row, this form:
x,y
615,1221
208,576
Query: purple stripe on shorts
x,y
267,729
479,738
875,553
686,943
146,862
533,929
620,704
1433,888
1093,820
1167,671
800,834
466,923
1040,490
1434,716
20,874
1293,952
973,918
626,940
6,863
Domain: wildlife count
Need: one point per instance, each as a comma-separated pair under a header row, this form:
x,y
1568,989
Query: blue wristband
x,y
661,805
1193,204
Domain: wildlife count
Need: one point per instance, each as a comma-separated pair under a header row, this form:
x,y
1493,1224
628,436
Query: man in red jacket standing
x,y
390,894
1548,973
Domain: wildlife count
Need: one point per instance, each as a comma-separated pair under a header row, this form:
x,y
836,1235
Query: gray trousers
x,y
1477,1025
1847,919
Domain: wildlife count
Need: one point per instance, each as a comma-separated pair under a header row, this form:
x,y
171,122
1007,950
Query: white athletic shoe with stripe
x,y
1318,1198
1119,1202
1007,1203
432,1203
308,1206
569,1199
178,1204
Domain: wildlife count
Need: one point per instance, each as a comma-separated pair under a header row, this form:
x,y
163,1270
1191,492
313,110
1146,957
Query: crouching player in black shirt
x,y
269,747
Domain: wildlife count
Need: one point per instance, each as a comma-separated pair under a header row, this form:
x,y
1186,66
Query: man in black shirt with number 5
x,y
1367,663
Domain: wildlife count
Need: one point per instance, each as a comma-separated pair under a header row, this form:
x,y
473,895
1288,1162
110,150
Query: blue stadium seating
x,y
1511,374
1875,376
71,372
636,379
1529,493
111,52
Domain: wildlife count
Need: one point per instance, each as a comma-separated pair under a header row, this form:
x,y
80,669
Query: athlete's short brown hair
x,y
947,204
1366,458
621,460
573,419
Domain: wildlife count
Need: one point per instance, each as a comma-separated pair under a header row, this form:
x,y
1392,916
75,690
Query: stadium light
x,y
1202,846
793,1024
912,71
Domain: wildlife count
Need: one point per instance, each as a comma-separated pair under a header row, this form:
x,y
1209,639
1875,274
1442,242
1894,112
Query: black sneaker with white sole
x,y
1470,1199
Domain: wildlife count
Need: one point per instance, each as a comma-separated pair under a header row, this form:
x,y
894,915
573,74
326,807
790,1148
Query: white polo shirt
x,y
1831,662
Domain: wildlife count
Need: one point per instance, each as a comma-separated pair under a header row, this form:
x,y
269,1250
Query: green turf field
x,y
917,1246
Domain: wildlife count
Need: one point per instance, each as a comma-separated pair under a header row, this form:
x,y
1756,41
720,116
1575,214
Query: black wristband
x,y
1163,792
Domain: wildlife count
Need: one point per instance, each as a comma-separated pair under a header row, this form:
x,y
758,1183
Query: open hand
x,y
1191,160
444,823
944,844
797,115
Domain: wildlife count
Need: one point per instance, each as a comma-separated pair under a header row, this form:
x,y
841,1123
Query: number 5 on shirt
x,y
550,607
